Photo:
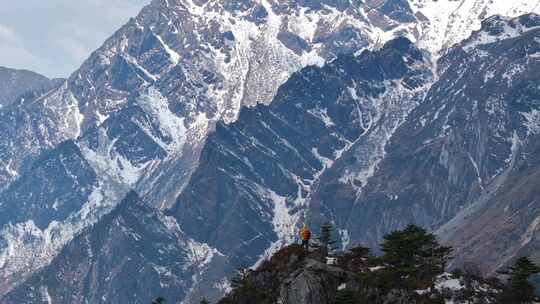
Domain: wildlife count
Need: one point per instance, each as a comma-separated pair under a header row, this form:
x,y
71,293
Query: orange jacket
x,y
305,234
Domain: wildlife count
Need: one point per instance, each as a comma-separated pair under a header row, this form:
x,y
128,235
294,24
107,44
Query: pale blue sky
x,y
53,37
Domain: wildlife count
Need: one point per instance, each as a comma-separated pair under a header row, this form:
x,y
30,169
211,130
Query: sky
x,y
54,37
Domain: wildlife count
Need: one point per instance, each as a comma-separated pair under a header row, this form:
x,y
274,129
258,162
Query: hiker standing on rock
x,y
305,235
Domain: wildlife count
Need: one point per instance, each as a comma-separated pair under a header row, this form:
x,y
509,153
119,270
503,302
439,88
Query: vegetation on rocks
x,y
411,269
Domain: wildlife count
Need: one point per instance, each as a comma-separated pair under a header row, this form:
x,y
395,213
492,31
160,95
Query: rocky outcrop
x,y
313,283
293,276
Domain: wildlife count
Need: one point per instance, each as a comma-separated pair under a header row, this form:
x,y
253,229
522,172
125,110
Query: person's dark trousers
x,y
305,244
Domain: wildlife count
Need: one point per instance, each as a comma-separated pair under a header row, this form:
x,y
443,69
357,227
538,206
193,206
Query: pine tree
x,y
442,255
345,297
204,301
519,289
409,255
326,240
159,300
245,289
241,279
361,251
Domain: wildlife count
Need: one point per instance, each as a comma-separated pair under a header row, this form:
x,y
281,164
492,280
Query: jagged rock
x,y
140,107
309,281
255,175
313,283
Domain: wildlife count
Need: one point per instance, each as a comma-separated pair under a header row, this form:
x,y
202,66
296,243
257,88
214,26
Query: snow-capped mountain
x,y
444,23
137,114
16,86
453,161
262,167
158,83
506,215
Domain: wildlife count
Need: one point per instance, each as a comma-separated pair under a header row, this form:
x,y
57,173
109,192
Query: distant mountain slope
x,y
444,23
248,193
137,114
452,162
14,83
255,176
504,223
140,107
132,255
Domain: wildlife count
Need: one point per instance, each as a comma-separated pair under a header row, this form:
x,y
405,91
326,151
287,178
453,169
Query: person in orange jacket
x,y
305,235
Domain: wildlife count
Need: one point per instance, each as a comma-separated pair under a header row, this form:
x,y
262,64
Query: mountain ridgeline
x,y
474,134
201,135
304,122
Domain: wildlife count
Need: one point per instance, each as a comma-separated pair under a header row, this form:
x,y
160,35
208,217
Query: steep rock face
x,y
444,23
73,185
505,218
32,124
291,276
14,83
507,225
457,150
99,266
204,57
255,175
140,107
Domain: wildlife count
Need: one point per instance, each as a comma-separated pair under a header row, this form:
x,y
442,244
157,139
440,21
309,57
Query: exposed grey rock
x,y
314,283
139,110
448,164
141,106
397,296
137,114
255,175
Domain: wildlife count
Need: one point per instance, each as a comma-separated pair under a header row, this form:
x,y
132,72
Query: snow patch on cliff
x,y
450,22
170,125
173,55
532,121
28,248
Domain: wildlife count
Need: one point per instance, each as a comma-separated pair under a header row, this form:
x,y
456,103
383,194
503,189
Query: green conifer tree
x,y
442,255
241,279
409,255
326,240
345,296
519,289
